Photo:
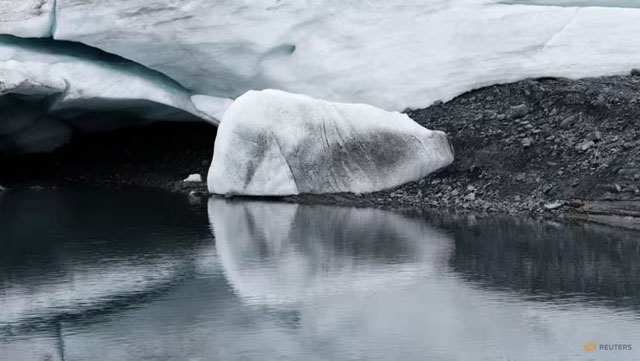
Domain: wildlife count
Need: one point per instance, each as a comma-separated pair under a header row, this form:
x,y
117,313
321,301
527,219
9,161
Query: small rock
x,y
553,206
585,145
2,189
567,122
519,111
454,192
635,72
470,197
595,136
471,188
422,182
526,142
193,178
618,187
437,103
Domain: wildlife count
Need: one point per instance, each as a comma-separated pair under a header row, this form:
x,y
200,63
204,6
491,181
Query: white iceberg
x,y
276,143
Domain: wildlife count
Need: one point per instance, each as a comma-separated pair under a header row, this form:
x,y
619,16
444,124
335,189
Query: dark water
x,y
120,275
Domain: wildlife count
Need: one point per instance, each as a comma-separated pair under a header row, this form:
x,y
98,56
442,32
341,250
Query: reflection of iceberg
x,y
275,253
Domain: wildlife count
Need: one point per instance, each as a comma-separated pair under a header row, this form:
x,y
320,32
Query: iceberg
x,y
276,143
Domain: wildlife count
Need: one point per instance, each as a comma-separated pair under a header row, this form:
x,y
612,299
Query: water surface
x,y
120,275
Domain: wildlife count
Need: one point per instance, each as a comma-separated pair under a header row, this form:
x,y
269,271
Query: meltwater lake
x,y
89,274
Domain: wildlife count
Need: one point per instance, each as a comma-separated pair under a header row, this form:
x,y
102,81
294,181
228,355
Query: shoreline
x,y
547,148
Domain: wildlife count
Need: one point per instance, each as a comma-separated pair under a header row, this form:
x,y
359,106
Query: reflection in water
x,y
298,282
66,254
550,261
280,252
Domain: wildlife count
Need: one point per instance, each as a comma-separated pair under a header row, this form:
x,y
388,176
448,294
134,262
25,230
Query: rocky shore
x,y
546,147
552,148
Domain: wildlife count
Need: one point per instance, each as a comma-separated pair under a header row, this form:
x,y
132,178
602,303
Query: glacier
x,y
276,143
193,57
391,54
65,81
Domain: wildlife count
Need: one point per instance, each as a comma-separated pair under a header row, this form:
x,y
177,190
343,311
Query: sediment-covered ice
x,y
276,143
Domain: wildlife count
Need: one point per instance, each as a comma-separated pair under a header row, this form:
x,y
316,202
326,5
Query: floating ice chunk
x,y
276,143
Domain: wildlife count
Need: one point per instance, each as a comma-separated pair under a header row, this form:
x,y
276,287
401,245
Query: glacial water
x,y
123,275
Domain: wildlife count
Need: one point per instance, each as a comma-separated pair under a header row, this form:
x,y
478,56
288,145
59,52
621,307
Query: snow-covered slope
x,y
272,142
392,54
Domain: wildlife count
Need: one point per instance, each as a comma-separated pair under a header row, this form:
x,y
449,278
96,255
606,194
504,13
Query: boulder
x,y
273,143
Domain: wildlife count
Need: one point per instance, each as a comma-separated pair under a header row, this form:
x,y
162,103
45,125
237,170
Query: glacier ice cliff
x,y
48,87
391,54
276,143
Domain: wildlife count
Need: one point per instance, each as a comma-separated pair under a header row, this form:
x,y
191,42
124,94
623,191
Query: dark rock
x,y
519,111
585,145
567,122
635,72
595,136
